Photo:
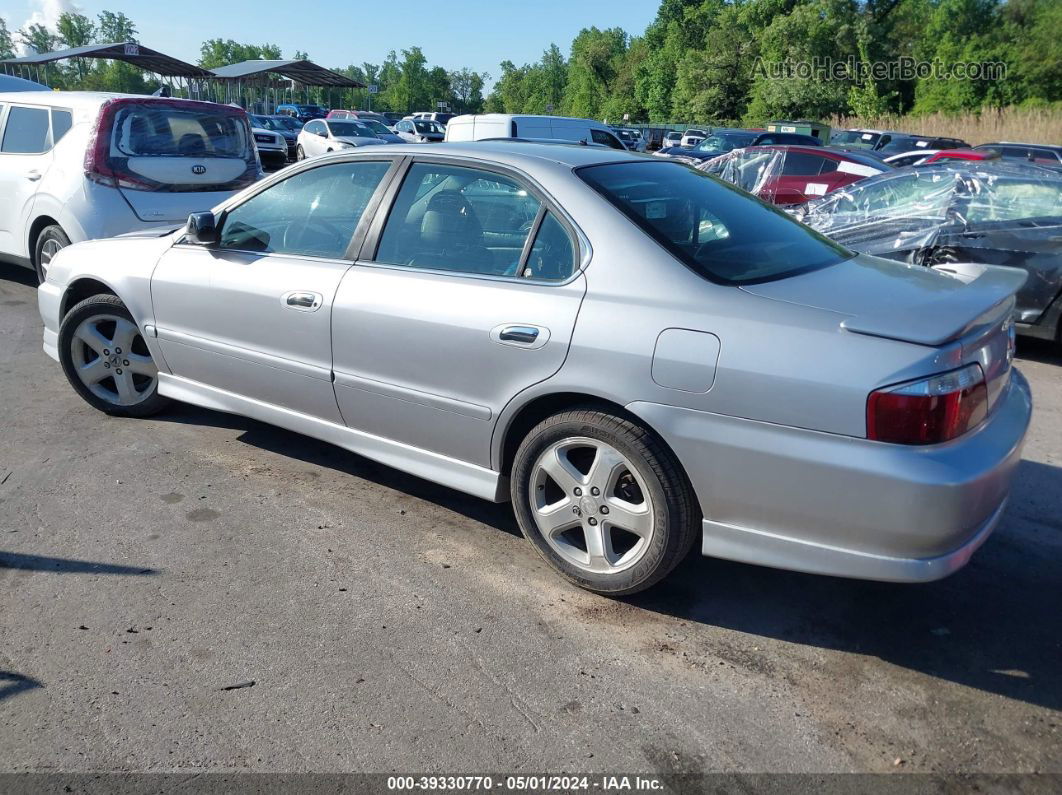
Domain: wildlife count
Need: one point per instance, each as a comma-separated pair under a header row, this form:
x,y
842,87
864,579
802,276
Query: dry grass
x,y
1033,126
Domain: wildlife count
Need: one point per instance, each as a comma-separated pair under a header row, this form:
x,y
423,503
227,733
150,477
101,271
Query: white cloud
x,y
47,14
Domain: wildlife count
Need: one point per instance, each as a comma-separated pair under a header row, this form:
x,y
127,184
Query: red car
x,y
963,154
793,174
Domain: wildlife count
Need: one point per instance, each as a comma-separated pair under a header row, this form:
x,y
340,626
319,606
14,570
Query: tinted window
x,y
26,131
458,219
313,213
552,255
715,228
158,129
608,139
62,121
801,164
349,129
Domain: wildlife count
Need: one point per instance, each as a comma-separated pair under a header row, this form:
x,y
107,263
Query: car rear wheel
x,y
603,500
106,359
50,242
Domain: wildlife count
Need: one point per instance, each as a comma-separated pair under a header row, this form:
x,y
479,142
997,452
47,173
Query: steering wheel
x,y
324,233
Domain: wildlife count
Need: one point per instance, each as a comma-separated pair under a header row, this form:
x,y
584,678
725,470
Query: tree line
x,y
711,61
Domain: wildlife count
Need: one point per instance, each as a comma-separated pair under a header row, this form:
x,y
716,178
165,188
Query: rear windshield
x,y
855,138
715,228
153,130
427,126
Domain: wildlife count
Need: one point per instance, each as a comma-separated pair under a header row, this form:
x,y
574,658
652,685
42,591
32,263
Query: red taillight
x,y
930,411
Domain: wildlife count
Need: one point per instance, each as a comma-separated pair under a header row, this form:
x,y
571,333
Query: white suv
x,y
78,165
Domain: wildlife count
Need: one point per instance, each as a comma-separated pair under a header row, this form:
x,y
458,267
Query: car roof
x,y
73,99
520,155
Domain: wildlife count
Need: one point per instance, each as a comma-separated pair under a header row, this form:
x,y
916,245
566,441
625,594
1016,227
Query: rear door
x,y
466,293
25,156
252,314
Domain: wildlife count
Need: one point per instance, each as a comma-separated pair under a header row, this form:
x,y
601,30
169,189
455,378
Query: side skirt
x,y
469,478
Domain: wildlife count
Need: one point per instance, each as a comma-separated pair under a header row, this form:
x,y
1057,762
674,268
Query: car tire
x,y
120,382
300,153
645,487
50,241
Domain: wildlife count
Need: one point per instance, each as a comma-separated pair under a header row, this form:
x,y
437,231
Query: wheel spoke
x,y
598,547
558,467
93,372
141,365
91,336
124,334
554,519
606,469
126,390
635,519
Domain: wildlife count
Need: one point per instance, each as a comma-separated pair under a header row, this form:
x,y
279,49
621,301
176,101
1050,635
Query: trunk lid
x,y
163,208
910,303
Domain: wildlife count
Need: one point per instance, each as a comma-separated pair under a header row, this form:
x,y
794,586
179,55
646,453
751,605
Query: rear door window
x,y
799,164
552,256
26,131
313,213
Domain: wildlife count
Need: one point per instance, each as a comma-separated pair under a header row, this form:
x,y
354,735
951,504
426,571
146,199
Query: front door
x,y
252,314
470,296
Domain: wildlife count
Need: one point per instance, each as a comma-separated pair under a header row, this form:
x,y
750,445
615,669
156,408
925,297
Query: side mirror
x,y
203,228
321,134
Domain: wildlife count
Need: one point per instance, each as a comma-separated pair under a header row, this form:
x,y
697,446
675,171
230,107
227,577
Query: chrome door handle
x,y
33,176
526,335
304,301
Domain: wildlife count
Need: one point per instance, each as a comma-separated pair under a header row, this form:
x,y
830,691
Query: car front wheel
x,y
603,500
300,153
106,359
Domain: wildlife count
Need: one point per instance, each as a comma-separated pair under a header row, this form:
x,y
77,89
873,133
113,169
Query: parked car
x,y
271,144
283,125
442,118
792,174
419,131
1039,153
950,214
77,165
864,139
478,127
719,143
11,84
360,115
379,129
692,137
320,136
963,154
889,145
303,113
915,158
673,138
638,356
393,118
631,138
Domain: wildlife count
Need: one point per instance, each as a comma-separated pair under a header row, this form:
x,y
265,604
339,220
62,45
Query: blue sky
x,y
453,33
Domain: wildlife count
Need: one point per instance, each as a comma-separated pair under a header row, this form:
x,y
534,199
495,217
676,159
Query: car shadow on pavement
x,y
15,560
11,684
1043,351
16,273
311,451
995,626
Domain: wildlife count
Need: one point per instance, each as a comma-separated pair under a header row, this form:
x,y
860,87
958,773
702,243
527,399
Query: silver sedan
x,y
635,354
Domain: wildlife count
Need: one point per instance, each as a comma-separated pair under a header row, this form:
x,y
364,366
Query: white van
x,y
477,127
77,165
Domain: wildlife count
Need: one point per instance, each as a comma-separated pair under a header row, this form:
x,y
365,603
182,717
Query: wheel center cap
x,y
588,506
116,360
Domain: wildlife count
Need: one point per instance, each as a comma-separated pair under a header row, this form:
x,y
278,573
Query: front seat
x,y
451,237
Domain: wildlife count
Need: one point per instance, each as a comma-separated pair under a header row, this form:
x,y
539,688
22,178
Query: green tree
x,y
7,46
38,38
76,30
592,70
222,52
115,27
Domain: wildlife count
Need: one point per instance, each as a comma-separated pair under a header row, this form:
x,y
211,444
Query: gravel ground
x,y
391,625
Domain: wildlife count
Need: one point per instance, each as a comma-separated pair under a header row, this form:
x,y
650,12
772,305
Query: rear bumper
x,y
830,504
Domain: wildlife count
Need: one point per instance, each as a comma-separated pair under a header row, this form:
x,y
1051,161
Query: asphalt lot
x,y
390,625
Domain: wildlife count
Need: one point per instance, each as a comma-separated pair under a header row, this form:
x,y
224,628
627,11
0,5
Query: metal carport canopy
x,y
132,53
305,72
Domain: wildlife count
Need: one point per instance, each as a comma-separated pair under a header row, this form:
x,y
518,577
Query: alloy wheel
x,y
49,249
112,360
591,505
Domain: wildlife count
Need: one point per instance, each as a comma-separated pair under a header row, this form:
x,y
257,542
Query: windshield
x,y
428,126
724,143
855,138
715,228
349,129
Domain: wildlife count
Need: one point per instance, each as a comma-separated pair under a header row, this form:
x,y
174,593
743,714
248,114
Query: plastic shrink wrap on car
x,y
950,215
750,170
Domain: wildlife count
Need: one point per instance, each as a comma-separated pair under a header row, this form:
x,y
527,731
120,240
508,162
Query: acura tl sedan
x,y
635,354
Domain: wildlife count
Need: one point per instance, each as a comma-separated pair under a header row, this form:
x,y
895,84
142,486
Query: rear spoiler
x,y
989,290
